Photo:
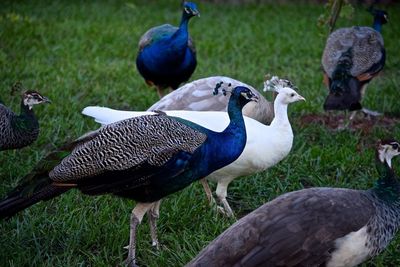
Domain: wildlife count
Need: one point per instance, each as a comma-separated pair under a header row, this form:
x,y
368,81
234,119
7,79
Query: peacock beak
x,y
301,98
46,100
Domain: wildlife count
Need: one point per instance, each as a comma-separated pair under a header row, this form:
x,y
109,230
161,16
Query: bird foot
x,y
224,212
155,245
130,262
371,113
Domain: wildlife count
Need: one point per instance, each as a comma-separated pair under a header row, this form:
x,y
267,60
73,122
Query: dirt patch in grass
x,y
362,123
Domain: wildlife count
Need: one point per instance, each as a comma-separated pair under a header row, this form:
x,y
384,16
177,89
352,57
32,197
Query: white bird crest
x,y
276,84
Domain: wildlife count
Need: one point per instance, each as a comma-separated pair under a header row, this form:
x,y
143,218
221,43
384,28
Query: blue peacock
x,y
167,54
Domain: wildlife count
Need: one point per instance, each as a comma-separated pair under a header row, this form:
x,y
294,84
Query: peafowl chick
x,y
351,59
144,159
197,96
167,54
18,131
266,145
315,227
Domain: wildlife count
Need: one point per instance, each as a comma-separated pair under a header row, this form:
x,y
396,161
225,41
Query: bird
x,y
18,131
167,54
315,226
197,95
351,59
143,159
266,145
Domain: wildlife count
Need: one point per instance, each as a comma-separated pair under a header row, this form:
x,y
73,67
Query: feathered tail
x,y
104,115
37,185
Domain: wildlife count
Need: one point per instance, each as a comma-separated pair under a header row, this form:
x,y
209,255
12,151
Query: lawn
x,y
83,53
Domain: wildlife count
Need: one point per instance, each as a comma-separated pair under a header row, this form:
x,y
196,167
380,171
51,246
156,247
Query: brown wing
x,y
295,229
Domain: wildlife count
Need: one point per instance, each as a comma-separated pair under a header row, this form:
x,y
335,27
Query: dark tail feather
x,y
37,185
344,95
17,202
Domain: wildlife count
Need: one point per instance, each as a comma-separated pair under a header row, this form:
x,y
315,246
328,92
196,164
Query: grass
x,y
82,53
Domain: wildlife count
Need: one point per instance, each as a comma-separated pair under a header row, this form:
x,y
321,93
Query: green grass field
x,y
82,53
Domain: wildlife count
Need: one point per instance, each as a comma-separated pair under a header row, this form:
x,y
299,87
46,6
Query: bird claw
x,y
371,112
131,262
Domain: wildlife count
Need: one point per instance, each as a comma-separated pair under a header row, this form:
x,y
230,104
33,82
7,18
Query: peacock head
x,y
240,93
190,9
284,88
380,16
387,149
31,98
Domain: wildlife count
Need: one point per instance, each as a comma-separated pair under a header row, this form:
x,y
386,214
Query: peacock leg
x,y
136,218
221,192
208,192
154,214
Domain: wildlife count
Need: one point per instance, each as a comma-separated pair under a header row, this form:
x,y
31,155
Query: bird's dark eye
x,y
395,146
292,94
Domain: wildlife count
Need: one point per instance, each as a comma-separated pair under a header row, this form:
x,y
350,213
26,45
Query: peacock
x,y
144,159
316,226
197,96
351,59
266,145
18,131
167,54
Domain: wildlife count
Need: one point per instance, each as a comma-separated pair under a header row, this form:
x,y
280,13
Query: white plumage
x,y
265,146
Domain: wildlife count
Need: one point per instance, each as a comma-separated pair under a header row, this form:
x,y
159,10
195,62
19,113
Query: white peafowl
x,y
265,146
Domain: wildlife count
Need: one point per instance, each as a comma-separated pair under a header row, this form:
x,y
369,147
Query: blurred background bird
x,y
167,54
351,59
18,131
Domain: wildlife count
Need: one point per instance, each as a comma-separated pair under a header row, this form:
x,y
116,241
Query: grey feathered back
x,y
366,44
198,96
127,144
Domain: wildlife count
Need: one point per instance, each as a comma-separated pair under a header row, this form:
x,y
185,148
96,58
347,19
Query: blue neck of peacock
x,y
181,36
377,25
387,187
229,144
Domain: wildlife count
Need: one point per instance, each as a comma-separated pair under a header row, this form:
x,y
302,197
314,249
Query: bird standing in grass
x,y
17,131
351,59
144,159
315,227
197,96
167,55
266,144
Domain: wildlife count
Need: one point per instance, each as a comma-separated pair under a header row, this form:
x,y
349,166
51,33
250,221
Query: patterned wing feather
x,y
128,144
367,49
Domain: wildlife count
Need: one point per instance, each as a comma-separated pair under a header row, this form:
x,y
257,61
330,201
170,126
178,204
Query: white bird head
x,y
284,88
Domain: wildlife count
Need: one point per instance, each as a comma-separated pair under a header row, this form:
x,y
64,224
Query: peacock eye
x,y
395,146
292,94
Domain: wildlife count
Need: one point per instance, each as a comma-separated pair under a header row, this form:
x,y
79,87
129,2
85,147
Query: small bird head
x,y
379,15
243,94
284,88
190,9
31,98
388,149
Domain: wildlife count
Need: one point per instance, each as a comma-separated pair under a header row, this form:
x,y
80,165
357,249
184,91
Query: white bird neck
x,y
281,117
